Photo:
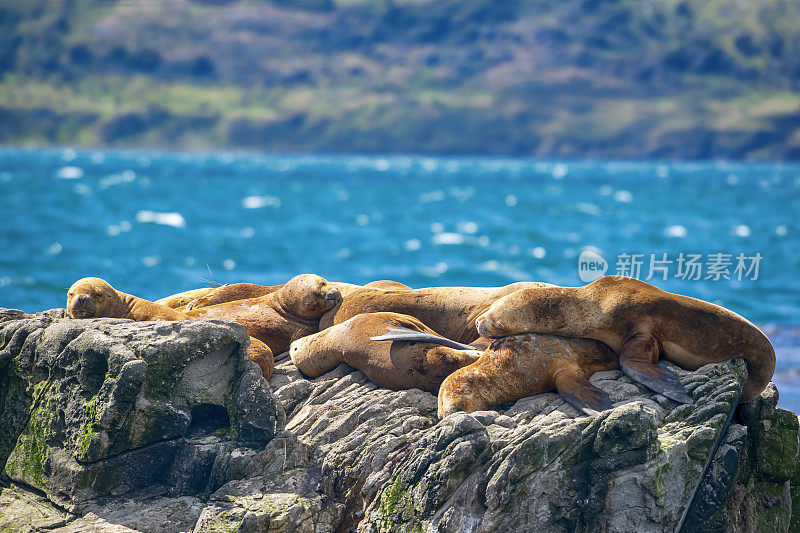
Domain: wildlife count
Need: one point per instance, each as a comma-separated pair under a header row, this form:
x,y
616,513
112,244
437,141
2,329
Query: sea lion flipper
x,y
262,355
655,377
638,359
400,333
575,389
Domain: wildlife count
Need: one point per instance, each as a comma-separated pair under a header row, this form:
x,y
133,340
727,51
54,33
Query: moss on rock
x,y
88,431
27,461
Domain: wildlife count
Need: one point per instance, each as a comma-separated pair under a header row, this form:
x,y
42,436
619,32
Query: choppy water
x,y
155,223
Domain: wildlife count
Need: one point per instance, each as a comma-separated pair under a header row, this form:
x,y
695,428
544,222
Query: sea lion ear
x,y
575,389
637,360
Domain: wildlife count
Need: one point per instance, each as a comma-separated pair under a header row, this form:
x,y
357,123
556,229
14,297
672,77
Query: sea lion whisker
x,y
213,281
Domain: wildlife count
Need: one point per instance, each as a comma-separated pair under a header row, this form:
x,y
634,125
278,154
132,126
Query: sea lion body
x,y
95,298
180,300
395,365
450,311
640,322
282,316
524,365
388,285
243,291
231,293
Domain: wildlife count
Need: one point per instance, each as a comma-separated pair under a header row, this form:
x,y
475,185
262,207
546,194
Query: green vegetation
x,y
659,484
397,510
27,461
667,78
89,426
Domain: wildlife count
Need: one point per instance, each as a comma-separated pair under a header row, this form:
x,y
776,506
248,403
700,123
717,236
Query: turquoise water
x,y
153,224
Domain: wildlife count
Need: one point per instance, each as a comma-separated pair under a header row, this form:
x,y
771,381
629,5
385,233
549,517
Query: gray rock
x,y
100,408
167,426
382,461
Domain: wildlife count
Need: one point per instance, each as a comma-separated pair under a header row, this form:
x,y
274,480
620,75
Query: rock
x,y
762,408
708,511
168,427
100,408
388,464
776,446
23,511
626,437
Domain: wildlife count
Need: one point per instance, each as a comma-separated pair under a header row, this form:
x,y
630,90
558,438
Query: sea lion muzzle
x,y
82,306
333,296
488,327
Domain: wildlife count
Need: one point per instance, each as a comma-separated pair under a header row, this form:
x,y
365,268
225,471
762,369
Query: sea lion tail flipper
x,y
639,366
400,333
575,389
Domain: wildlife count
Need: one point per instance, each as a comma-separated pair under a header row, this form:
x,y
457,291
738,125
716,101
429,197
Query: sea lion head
x,y
310,296
459,393
313,354
299,346
92,298
552,310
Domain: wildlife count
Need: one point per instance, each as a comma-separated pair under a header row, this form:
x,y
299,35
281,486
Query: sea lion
x,y
242,291
388,285
395,365
180,300
450,311
95,298
231,293
641,323
524,365
280,317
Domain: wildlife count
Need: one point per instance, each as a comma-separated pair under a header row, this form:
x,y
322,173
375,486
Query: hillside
x,y
661,78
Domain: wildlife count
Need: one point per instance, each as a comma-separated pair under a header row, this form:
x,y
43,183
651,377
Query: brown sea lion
x,y
231,293
95,298
641,323
280,317
242,291
450,311
395,365
180,300
387,285
523,365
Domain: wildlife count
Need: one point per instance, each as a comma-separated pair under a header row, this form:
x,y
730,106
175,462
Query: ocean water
x,y
156,223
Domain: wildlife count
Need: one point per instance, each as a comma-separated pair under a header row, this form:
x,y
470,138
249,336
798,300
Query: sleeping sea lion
x,y
280,317
450,311
180,300
231,293
641,323
388,285
523,365
242,291
395,365
96,298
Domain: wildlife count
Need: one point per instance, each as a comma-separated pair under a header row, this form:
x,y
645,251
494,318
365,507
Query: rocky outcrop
x,y
167,427
100,408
